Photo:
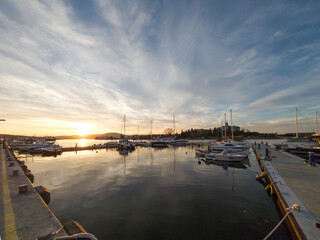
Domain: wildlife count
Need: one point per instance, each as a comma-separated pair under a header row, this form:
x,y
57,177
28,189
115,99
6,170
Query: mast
x,y
297,136
124,125
174,125
138,131
151,128
225,126
231,124
316,122
221,129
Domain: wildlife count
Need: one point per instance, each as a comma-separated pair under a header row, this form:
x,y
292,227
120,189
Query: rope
x,y
75,236
269,186
290,209
78,236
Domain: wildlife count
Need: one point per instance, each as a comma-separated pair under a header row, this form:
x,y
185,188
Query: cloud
x,y
153,59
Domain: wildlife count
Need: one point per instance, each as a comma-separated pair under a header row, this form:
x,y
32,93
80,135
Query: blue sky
x,y
72,65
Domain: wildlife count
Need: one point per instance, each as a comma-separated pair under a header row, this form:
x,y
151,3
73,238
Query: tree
x,y
168,131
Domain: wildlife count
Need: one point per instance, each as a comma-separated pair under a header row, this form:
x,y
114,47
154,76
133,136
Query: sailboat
x,y
316,135
297,139
175,141
125,144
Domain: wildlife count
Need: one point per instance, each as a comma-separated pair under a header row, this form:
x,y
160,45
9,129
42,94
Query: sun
x,y
83,132
83,129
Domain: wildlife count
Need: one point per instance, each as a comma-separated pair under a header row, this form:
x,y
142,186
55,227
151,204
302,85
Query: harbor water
x,y
156,194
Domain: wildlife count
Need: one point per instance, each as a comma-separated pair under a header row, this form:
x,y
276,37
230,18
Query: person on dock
x,y
312,159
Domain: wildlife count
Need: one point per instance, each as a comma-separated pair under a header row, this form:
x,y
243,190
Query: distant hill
x,y
91,136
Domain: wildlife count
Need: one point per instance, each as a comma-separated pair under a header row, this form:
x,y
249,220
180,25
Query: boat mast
x,y
297,136
316,121
174,125
124,125
225,126
221,129
231,124
151,129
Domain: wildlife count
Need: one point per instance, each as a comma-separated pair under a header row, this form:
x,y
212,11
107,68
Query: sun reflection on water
x,y
83,142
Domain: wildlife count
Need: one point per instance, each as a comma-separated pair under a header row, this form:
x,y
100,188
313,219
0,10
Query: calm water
x,y
156,194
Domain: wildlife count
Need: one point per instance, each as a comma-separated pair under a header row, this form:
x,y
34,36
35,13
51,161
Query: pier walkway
x,y
22,216
299,183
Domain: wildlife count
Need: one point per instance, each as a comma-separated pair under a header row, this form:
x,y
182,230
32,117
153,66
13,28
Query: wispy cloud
x,y
94,61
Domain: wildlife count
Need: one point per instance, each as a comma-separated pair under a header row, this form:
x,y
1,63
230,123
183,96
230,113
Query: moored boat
x,y
159,143
225,156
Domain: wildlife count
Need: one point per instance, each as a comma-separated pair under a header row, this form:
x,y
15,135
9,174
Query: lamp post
x,y
2,120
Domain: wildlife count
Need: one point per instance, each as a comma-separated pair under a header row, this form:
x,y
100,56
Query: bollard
x,y
15,172
23,188
11,164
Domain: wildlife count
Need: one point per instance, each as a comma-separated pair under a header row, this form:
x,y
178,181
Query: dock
x,y
90,147
293,181
23,215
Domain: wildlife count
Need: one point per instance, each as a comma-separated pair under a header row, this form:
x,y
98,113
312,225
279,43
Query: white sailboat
x,y
297,139
175,141
225,156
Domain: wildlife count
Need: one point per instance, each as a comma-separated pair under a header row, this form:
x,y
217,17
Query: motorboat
x,y
126,144
223,146
178,142
225,156
159,143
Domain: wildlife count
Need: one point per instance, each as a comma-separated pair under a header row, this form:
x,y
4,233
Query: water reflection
x,y
83,142
156,194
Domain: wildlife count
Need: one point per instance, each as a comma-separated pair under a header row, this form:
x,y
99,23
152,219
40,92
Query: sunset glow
x,y
94,61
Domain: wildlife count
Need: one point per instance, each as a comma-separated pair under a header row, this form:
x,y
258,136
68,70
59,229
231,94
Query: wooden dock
x,y
293,182
22,216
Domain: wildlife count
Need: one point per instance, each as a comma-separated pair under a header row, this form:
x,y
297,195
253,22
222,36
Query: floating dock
x,y
291,181
91,147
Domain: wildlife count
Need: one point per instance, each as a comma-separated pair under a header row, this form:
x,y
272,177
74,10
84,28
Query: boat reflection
x,y
226,165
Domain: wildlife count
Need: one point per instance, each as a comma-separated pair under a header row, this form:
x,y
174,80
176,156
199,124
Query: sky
x,y
76,67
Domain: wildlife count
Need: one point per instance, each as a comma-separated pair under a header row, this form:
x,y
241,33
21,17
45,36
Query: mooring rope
x,y
75,236
78,236
290,209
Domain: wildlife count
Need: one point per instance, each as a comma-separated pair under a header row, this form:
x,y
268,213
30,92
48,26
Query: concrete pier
x,y
23,215
294,182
